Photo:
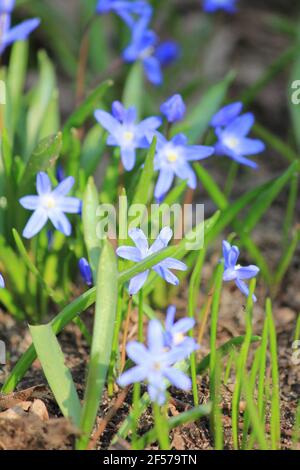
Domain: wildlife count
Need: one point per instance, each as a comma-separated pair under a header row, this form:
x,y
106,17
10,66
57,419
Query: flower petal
x,y
247,272
137,352
172,263
35,223
164,182
153,70
138,237
64,187
71,205
129,252
137,282
136,374
167,275
227,114
21,31
155,337
30,202
178,378
170,317
244,288
60,221
107,121
241,125
128,157
43,183
162,240
2,282
183,325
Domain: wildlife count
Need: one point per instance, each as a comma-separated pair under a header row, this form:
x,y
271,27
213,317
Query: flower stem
x,y
161,427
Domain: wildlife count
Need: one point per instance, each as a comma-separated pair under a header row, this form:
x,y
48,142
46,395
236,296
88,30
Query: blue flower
x,y
132,13
155,365
50,204
85,271
125,133
8,34
174,108
144,47
172,159
232,131
174,334
2,282
142,251
235,272
210,6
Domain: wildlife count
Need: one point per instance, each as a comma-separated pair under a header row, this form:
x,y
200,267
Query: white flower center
x,y
128,136
172,155
148,52
231,142
237,267
178,338
156,366
48,202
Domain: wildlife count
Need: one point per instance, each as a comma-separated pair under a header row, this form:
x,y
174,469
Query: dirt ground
x,y
250,47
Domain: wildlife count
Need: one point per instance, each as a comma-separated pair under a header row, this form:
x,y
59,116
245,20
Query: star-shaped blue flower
x,y
175,332
211,6
144,47
142,251
125,133
155,365
8,34
50,205
235,272
173,159
232,131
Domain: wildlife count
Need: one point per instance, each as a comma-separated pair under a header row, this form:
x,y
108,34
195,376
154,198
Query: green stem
x,y
161,427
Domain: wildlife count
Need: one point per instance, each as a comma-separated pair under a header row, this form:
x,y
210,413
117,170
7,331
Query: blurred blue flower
x,y
50,204
85,271
232,133
144,47
142,251
125,133
2,282
133,13
175,332
236,272
155,365
227,114
172,159
174,108
60,173
210,6
8,34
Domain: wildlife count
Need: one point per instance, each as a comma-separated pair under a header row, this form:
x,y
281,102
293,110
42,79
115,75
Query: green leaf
x,y
89,210
57,374
16,80
40,100
197,122
141,195
43,157
30,265
105,313
223,351
265,199
84,111
134,88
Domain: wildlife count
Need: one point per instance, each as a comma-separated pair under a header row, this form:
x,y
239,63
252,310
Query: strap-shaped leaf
x,y
57,374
